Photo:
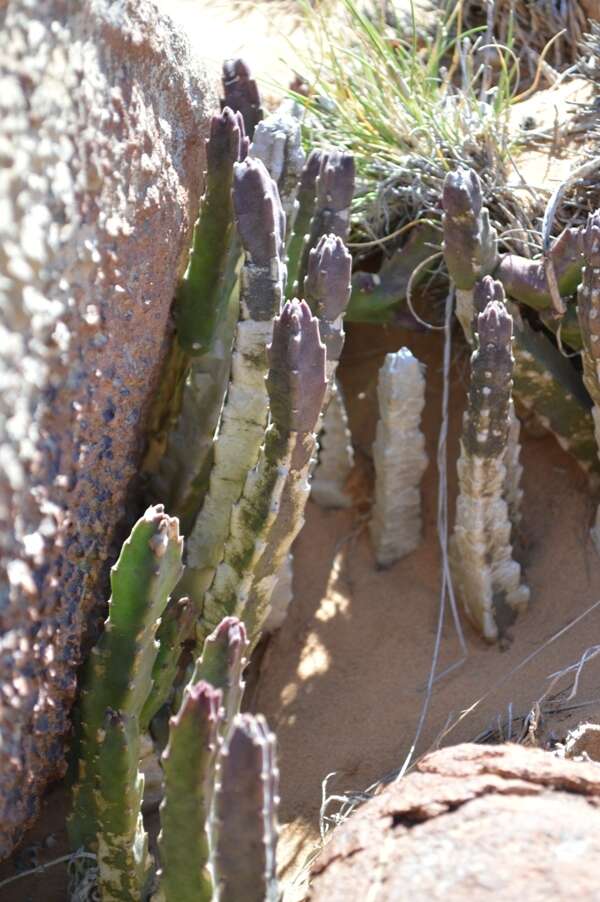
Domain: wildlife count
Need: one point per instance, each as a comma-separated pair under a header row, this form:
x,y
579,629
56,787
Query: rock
x,y
103,115
471,823
583,742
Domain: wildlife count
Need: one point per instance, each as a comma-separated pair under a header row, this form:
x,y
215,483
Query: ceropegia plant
x,y
487,578
240,93
106,820
306,201
399,457
470,242
278,143
486,290
245,817
544,380
588,313
270,511
188,764
261,227
106,817
222,664
334,189
206,314
327,291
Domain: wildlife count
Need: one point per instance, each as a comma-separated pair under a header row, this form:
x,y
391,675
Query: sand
x,y
343,682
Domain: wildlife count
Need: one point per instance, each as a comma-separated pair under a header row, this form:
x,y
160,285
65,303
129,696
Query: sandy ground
x,y
343,683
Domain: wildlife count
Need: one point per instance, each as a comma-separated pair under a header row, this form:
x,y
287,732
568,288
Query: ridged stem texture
x,y
262,528
487,578
327,290
399,457
106,816
331,215
246,814
278,143
188,764
261,226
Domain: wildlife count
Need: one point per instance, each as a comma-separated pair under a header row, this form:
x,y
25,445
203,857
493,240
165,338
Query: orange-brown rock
x,y
471,823
103,113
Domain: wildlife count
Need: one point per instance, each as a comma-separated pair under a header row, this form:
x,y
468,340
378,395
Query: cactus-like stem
x,y
122,843
588,312
116,684
206,313
241,93
486,290
487,579
544,381
336,455
188,764
327,291
400,458
264,522
335,188
470,241
176,628
261,227
222,665
377,297
278,143
307,198
547,384
246,814
525,280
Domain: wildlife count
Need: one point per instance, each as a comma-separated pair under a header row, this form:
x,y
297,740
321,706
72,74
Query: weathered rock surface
x,y
103,114
474,823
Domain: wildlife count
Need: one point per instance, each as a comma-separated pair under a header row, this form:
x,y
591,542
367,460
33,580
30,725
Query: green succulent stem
x,y
188,764
115,686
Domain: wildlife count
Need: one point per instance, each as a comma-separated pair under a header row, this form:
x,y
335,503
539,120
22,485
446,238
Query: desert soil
x,y
343,682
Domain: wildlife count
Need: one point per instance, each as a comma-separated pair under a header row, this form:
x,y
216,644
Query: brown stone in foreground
x,y
474,823
103,115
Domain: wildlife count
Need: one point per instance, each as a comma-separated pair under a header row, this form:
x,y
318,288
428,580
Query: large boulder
x,y
471,823
103,115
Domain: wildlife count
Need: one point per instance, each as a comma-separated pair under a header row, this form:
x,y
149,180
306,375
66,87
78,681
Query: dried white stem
x,y
399,457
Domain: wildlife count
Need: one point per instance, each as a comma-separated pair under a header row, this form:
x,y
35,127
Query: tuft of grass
x,y
410,109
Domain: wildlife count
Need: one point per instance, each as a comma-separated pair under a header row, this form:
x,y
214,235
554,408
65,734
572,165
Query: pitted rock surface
x,y
103,115
471,823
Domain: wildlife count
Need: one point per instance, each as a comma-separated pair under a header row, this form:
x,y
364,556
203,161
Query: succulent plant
x,y
189,765
106,819
327,291
106,816
331,214
222,664
487,578
241,93
278,143
544,381
261,227
246,814
306,199
470,242
269,514
206,313
399,457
